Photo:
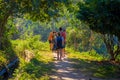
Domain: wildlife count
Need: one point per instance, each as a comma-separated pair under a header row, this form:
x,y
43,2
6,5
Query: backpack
x,y
59,42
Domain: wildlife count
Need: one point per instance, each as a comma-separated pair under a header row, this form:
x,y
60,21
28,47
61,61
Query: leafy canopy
x,y
101,15
31,9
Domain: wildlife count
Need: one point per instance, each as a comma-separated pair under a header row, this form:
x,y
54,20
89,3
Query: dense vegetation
x,y
94,65
39,66
103,17
92,26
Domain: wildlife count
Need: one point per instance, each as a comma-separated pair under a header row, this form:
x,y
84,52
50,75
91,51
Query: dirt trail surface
x,y
65,71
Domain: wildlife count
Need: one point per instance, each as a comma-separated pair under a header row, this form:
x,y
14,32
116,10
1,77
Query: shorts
x,y
50,41
54,47
59,47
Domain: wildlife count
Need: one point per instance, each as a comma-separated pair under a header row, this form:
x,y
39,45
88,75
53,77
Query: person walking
x,y
63,34
60,42
50,39
54,49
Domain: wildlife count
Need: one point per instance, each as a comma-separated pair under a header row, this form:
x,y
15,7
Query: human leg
x,y
64,49
60,54
57,54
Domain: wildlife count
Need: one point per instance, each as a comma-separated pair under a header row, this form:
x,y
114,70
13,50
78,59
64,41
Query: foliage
x,y
95,13
103,17
41,10
31,43
27,28
40,66
3,60
7,53
94,65
90,55
81,38
68,21
34,9
112,45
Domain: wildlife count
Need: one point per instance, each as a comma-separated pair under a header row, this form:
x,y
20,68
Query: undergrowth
x,y
93,64
39,67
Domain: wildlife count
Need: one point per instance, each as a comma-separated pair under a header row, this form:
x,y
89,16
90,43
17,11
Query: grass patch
x,y
95,65
39,67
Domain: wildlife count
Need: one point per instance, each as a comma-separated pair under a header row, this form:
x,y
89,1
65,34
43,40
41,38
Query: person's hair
x,y
60,28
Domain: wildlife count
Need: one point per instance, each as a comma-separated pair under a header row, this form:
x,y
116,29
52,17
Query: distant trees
x,y
103,17
26,29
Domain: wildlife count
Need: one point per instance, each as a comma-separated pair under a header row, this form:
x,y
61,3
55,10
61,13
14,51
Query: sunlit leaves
x,y
37,9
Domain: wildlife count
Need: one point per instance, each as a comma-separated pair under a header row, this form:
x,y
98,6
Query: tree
x,y
41,10
103,17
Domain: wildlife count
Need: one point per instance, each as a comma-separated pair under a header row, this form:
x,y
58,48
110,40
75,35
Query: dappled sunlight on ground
x,y
65,71
84,67
95,68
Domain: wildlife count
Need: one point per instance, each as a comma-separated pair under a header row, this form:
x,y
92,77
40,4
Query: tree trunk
x,y
3,29
110,41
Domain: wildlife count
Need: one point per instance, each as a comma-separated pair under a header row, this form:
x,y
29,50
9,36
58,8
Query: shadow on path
x,y
65,71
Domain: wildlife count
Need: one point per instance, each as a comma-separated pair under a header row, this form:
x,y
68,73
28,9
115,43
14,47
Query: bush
x,y
39,66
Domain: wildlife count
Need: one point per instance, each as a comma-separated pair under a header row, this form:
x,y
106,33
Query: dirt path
x,y
65,71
